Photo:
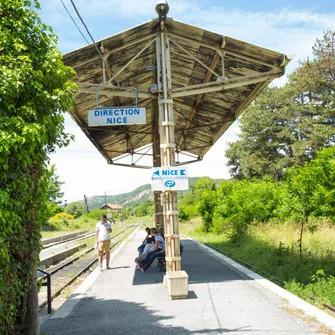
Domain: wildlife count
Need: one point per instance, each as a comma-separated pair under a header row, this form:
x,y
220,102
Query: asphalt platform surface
x,y
124,301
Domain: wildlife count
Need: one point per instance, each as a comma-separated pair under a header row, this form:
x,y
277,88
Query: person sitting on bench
x,y
157,251
148,239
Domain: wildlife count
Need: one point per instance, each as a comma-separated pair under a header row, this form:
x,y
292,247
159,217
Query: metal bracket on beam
x,y
223,45
171,235
167,123
165,101
171,259
171,213
167,145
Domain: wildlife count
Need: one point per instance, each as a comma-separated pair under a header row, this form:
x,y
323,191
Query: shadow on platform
x,y
200,267
97,316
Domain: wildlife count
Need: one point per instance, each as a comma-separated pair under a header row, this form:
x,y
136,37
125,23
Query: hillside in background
x,y
132,198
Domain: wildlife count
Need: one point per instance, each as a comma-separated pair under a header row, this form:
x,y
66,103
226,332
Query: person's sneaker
x,y
100,268
143,269
108,267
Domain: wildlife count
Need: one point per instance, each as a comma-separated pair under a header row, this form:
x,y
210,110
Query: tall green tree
x,y
34,94
314,82
267,135
288,125
54,191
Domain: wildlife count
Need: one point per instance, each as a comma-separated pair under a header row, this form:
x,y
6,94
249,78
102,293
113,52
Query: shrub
x,y
321,288
75,209
95,214
62,216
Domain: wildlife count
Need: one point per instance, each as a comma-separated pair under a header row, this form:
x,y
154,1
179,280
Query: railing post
x,y
49,292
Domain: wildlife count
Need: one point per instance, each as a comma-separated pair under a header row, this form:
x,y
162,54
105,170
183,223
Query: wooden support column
x,y
158,219
167,152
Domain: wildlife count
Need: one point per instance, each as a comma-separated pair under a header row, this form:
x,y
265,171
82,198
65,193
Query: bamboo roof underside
x,y
196,59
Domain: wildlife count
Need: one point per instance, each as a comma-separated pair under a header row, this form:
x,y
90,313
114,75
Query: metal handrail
x,y
48,284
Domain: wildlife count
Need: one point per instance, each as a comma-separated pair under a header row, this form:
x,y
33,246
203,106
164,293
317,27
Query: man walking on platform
x,y
102,237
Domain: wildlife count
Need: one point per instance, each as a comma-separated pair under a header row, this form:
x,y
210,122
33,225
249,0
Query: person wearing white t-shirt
x,y
102,230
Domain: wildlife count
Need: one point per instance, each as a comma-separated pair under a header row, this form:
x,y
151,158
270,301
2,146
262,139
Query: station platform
x,y
124,301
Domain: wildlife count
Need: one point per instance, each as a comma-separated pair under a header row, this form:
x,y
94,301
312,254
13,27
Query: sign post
x,y
167,152
158,219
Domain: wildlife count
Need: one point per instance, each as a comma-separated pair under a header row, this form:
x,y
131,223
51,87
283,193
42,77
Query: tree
x,y
288,125
35,93
243,202
54,191
309,186
145,208
264,147
188,206
314,82
206,207
74,208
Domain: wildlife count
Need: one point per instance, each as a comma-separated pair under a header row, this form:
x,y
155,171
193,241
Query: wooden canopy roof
x,y
214,77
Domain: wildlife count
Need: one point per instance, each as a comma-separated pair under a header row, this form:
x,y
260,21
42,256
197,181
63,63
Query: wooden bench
x,y
161,261
161,264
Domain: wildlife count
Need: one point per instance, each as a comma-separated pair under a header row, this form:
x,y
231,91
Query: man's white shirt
x,y
101,228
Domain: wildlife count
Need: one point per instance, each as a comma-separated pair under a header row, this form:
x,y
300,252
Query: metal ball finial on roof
x,y
162,9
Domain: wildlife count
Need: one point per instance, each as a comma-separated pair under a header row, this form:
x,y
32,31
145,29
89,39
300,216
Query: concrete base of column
x,y
177,284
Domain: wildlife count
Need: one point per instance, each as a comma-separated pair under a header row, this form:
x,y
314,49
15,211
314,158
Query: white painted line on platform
x,y
80,292
299,303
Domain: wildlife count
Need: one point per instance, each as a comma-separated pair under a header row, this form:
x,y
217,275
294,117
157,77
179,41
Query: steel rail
x,y
87,266
69,262
68,240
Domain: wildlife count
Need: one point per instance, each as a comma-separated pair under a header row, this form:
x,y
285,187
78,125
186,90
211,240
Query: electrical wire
x,y
74,22
82,21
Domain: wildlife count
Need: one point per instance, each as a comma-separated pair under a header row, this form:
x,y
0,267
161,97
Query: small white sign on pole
x,y
169,178
116,116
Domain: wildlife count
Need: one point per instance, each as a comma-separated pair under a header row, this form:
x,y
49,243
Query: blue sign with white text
x,y
116,116
169,178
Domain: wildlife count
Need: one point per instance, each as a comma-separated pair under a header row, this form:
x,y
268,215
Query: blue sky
x,y
289,27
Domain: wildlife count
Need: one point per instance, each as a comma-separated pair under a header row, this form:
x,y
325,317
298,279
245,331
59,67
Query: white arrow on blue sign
x,y
169,178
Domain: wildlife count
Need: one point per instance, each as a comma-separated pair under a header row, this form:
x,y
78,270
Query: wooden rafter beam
x,y
109,130
205,125
239,110
133,59
110,76
227,51
111,91
228,84
200,96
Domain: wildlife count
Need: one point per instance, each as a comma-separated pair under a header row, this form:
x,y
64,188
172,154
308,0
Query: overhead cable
x,y
74,22
75,8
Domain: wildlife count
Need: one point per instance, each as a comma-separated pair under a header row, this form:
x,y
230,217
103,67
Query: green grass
x,y
85,223
273,248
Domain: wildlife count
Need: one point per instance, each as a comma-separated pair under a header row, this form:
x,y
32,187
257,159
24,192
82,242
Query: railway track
x,y
76,238
67,272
